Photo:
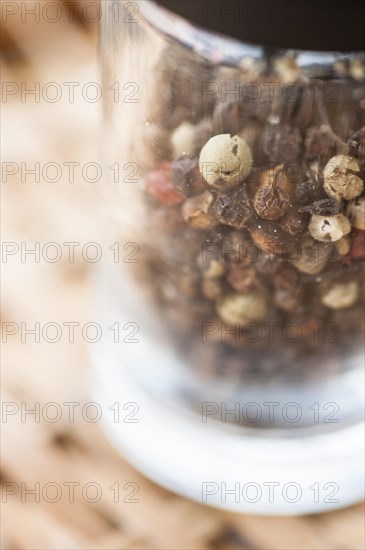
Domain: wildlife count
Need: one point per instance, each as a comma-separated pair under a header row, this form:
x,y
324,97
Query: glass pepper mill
x,y
234,144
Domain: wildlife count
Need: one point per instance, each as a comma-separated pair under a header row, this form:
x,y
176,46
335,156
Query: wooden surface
x,y
65,452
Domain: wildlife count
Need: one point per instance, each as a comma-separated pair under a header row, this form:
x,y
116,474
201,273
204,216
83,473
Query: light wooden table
x,y
64,453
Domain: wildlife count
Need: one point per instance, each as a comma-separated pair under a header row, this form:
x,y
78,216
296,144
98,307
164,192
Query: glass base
x,y
244,470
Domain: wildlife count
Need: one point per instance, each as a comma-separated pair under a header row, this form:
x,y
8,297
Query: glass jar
x,y
235,194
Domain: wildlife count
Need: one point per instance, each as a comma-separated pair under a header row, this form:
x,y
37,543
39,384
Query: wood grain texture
x,y
65,453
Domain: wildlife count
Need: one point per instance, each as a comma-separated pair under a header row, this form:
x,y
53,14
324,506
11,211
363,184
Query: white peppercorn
x,y
196,211
225,160
242,308
233,208
183,140
329,228
214,269
341,295
312,258
340,179
343,245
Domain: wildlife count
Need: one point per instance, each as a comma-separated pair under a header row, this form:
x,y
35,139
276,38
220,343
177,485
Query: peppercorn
x,y
294,222
270,238
287,300
252,133
235,246
341,295
297,103
356,146
196,211
242,278
323,207
340,179
286,278
212,289
312,257
271,200
233,208
186,176
306,192
229,117
159,185
357,247
183,140
356,213
203,133
224,160
320,142
265,263
282,143
259,100
242,308
212,268
329,228
188,280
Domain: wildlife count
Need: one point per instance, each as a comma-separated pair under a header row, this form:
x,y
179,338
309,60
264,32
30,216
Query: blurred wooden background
x,y
63,452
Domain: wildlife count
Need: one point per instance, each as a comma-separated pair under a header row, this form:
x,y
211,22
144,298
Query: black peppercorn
x,y
323,207
233,208
269,237
294,222
282,143
242,277
298,104
356,146
229,117
186,176
306,192
286,277
321,143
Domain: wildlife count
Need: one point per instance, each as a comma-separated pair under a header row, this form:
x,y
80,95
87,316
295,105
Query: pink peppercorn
x,y
159,185
357,247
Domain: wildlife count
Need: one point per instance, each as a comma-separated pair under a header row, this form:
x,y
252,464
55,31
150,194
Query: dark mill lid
x,y
322,25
